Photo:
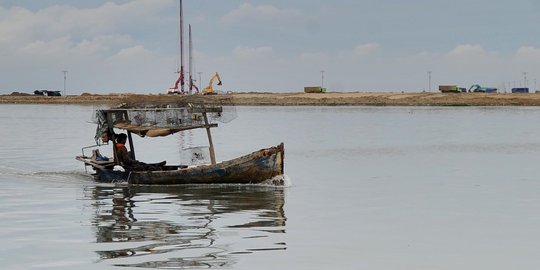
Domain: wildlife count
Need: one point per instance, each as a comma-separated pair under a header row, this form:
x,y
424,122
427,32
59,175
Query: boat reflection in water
x,y
186,227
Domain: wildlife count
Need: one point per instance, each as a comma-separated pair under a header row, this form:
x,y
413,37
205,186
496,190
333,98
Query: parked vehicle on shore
x,y
47,93
523,90
451,89
475,88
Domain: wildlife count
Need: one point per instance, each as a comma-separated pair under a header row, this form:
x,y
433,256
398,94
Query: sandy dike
x,y
295,99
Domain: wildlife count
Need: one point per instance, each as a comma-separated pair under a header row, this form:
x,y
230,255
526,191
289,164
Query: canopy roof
x,y
154,122
144,131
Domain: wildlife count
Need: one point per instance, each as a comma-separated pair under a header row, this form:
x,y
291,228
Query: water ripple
x,y
178,227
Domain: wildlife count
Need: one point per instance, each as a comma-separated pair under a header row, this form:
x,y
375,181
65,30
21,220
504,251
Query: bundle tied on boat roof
x,y
155,122
147,131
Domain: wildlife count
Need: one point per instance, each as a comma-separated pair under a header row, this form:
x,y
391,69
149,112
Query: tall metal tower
x,y
182,48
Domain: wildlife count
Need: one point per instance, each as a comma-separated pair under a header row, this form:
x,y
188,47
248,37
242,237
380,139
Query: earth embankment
x,y
298,99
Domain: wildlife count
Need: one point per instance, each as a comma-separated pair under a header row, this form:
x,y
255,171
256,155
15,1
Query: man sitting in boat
x,y
127,162
105,138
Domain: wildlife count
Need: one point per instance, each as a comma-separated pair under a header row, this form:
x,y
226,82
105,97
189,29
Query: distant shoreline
x,y
299,99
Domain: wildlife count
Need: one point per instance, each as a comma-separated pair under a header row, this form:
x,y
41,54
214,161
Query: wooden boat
x,y
263,166
257,167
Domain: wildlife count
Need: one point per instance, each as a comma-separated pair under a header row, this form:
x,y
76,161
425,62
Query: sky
x,y
131,46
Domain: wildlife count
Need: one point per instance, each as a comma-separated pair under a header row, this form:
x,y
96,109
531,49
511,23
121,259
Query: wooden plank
x,y
205,109
131,146
212,153
140,129
91,163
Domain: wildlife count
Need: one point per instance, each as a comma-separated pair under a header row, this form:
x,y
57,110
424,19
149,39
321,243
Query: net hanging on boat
x,y
224,101
195,155
164,119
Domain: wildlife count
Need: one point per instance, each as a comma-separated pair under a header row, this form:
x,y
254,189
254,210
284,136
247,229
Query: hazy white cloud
x,y
528,53
84,40
313,57
19,25
472,58
466,50
14,24
468,54
248,12
112,47
50,48
135,52
366,49
252,53
360,51
108,42
463,65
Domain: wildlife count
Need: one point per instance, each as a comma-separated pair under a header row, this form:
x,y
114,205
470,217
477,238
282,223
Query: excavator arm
x,y
209,90
474,87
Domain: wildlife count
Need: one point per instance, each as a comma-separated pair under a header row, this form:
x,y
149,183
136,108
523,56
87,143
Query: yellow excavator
x,y
209,90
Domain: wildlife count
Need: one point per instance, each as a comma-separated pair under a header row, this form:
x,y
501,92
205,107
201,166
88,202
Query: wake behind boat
x,y
262,166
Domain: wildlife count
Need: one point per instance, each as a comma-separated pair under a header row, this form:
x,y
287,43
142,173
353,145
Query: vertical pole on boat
x,y
212,153
110,128
132,153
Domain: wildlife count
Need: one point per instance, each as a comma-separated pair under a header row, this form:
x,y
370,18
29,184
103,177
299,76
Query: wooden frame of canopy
x,y
155,132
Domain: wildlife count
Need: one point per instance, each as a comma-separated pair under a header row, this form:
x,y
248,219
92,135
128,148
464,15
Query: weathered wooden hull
x,y
253,168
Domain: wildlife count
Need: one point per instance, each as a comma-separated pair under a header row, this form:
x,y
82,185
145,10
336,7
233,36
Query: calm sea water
x,y
370,188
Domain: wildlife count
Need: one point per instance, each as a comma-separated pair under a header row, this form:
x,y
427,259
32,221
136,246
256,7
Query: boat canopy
x,y
155,122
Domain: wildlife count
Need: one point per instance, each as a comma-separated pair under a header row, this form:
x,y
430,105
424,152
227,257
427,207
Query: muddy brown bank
x,y
299,99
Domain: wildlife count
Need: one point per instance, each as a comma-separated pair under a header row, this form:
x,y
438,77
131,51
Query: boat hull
x,y
253,168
